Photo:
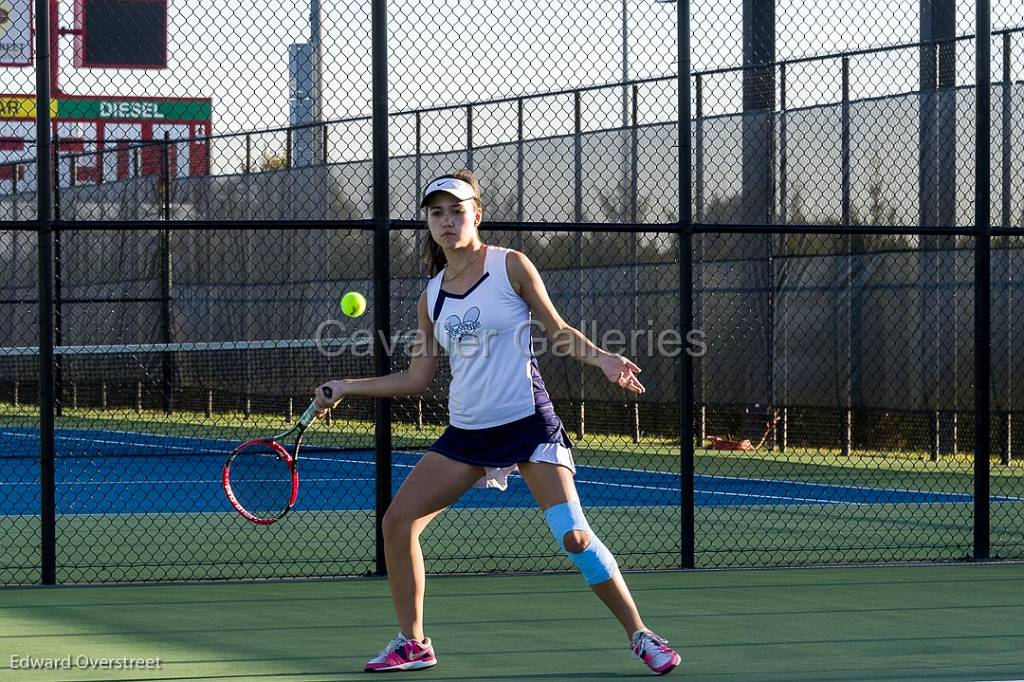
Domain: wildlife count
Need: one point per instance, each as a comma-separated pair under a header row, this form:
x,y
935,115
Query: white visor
x,y
459,189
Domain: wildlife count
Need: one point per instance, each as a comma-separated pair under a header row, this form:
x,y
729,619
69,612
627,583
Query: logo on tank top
x,y
464,327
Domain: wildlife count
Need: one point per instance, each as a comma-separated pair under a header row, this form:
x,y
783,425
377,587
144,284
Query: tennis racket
x,y
261,476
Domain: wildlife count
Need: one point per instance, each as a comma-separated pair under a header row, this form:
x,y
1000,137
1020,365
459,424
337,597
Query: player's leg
x,y
433,484
555,491
552,486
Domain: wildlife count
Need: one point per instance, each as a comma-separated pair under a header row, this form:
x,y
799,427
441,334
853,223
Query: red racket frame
x,y
288,460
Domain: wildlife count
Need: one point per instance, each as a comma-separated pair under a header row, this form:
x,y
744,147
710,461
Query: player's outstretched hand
x,y
622,371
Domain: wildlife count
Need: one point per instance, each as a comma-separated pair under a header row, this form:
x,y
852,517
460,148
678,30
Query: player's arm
x,y
527,282
423,363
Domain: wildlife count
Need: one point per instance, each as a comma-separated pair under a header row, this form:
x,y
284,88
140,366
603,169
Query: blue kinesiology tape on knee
x,y
565,518
596,563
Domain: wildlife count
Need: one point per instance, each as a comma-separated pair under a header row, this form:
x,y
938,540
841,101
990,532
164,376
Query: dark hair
x,y
433,254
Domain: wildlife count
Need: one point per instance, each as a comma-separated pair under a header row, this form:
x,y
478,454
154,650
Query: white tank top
x,y
486,333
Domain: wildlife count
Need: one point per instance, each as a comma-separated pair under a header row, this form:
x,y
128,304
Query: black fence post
x,y
166,279
699,160
982,278
1006,446
783,217
58,279
470,160
698,263
381,265
846,434
685,241
520,171
577,191
44,212
782,428
419,180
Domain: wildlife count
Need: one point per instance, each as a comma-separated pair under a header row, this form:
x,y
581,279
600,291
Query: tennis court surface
x,y
935,623
177,483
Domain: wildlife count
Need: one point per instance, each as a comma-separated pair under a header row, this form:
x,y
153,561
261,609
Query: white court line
x,y
128,443
717,492
206,480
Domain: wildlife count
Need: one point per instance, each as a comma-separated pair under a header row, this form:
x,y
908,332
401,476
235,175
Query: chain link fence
x,y
214,193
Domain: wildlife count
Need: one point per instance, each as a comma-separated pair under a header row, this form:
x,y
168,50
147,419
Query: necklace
x,y
449,277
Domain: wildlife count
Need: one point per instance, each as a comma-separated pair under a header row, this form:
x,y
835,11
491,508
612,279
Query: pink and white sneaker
x,y
654,652
403,653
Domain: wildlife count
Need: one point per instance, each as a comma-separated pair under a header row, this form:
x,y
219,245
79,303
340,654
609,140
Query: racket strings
x,y
261,480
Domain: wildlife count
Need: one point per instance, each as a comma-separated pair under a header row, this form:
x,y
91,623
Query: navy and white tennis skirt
x,y
539,437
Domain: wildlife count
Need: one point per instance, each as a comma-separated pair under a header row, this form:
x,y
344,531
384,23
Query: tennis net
x,y
242,376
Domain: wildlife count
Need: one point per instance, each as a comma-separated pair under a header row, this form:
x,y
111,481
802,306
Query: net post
x,y
684,240
419,414
44,218
783,430
103,396
15,393
209,403
381,267
1006,451
138,397
847,431
636,422
289,415
702,423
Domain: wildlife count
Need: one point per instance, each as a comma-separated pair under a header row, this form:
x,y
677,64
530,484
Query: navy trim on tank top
x,y
442,294
541,398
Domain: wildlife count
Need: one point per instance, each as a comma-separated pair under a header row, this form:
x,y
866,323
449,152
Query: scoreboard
x,y
121,34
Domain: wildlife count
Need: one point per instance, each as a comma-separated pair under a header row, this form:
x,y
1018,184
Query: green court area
x,y
937,623
154,547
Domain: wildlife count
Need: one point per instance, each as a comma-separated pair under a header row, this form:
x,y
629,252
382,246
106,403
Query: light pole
x,y
317,90
625,63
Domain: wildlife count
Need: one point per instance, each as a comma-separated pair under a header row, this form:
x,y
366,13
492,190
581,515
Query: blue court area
x,y
114,472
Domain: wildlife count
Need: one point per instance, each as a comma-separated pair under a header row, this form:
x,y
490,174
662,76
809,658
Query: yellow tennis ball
x,y
353,304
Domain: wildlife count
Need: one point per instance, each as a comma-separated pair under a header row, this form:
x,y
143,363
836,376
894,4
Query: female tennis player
x,y
478,306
